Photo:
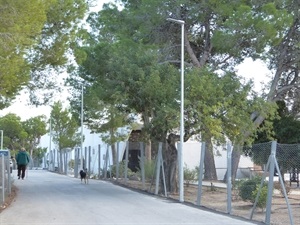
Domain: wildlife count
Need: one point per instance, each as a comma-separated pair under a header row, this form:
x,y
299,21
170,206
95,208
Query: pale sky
x,y
249,69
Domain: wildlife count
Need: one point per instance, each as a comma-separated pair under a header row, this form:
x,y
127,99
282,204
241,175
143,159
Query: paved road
x,y
47,198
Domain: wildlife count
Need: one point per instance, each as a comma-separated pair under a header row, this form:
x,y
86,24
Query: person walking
x,y
22,159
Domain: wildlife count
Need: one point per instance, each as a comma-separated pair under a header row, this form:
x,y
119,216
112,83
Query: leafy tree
x,y
27,134
53,48
38,155
20,23
285,129
14,134
108,121
139,63
35,128
36,41
64,130
282,57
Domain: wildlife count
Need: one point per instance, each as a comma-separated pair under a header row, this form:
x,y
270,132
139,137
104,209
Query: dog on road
x,y
84,176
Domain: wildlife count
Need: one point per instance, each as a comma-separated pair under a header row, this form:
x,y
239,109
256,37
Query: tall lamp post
x,y
1,145
81,118
180,152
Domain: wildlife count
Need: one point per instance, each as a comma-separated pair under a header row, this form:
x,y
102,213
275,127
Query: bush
x,y
246,188
121,170
149,167
262,200
190,175
71,164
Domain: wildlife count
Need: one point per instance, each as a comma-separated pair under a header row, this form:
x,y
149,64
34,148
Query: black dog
x,y
84,176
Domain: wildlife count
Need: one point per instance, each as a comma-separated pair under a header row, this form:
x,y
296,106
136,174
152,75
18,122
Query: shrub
x,y
190,175
246,188
262,200
71,164
121,170
149,167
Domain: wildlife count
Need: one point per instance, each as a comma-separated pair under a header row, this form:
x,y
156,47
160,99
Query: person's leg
x,y
23,171
19,171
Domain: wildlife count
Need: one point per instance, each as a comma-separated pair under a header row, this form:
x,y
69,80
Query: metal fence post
x,y
142,164
126,160
271,181
229,152
118,156
200,175
3,178
89,160
76,150
99,161
158,165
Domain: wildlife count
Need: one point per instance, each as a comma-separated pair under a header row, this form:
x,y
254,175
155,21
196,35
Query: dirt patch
x,y
215,198
9,199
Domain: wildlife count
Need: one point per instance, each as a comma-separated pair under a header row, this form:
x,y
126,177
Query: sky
x,y
249,69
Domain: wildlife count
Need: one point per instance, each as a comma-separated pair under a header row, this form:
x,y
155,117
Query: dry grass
x,y
10,198
216,199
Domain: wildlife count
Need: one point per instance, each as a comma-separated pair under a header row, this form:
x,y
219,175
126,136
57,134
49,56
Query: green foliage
x,y
122,164
71,164
35,36
21,23
262,199
248,187
38,155
134,66
27,134
285,129
190,175
13,131
60,34
64,127
35,128
149,168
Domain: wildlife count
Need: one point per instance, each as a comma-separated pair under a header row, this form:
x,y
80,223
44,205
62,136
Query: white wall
x,y
192,153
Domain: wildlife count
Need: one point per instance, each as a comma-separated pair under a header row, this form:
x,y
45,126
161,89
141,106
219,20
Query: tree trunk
x,y
114,154
235,160
171,164
209,162
60,162
148,155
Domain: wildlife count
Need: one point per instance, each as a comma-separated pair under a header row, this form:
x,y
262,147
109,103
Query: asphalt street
x,y
46,198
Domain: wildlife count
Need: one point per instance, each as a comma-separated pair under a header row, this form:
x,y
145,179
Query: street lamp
x,y
180,152
81,118
1,145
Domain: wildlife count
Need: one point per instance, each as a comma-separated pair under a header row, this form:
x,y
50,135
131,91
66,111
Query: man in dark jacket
x,y
22,159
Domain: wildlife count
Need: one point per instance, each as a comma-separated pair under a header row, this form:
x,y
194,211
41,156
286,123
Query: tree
x,y
36,41
54,47
285,129
140,62
14,134
20,23
27,134
35,128
282,57
112,124
64,128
